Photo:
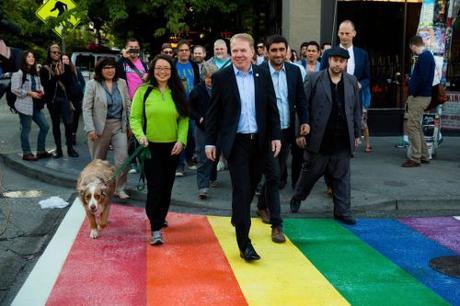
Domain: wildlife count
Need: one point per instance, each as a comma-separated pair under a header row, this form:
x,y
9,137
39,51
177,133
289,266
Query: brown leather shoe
x,y
410,164
264,214
44,154
29,157
278,235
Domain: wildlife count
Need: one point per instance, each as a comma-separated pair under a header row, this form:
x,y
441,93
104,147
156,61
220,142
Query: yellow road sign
x,y
54,9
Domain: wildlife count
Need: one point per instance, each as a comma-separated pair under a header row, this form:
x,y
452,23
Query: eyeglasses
x,y
167,69
260,47
56,52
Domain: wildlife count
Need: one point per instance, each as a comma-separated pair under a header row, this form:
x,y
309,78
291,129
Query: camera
x,y
133,51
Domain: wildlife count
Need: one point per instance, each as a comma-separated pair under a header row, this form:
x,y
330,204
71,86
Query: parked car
x,y
86,61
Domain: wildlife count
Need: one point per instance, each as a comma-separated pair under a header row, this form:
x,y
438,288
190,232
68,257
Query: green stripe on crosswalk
x,y
360,273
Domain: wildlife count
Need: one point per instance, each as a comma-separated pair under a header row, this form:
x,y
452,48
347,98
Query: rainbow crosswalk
x,y
376,262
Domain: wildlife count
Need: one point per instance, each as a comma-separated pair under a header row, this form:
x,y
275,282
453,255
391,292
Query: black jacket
x,y
224,112
296,96
200,101
51,86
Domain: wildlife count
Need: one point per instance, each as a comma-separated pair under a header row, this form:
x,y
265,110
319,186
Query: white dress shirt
x,y
351,60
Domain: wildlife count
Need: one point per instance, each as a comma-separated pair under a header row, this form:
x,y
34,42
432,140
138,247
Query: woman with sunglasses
x,y
56,78
26,85
104,109
165,134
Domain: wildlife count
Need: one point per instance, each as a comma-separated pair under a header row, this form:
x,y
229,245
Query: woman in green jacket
x,y
165,134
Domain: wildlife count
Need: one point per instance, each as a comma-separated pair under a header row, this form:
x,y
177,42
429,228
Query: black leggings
x,y
160,173
60,109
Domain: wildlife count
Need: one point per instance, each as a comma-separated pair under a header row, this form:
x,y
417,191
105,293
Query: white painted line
x,y
38,286
457,217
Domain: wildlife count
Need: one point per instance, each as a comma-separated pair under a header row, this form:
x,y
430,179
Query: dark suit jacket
x,y
319,104
296,95
362,65
224,113
199,103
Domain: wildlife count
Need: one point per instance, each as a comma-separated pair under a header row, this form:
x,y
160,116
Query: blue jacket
x,y
421,80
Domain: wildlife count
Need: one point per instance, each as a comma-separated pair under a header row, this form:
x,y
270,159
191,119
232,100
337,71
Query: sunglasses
x,y
260,47
167,52
56,52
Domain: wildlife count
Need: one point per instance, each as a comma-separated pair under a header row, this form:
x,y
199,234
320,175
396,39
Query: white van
x,y
86,61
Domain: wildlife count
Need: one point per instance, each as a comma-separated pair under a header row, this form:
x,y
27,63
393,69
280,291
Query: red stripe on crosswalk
x,y
109,270
190,268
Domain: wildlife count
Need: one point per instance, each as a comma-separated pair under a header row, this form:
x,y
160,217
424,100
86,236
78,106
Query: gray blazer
x,y
319,103
94,107
24,103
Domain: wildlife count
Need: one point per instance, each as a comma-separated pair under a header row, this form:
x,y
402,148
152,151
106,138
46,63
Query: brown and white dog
x,y
96,187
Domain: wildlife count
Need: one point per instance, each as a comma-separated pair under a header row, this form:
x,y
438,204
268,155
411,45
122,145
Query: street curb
x,y
390,207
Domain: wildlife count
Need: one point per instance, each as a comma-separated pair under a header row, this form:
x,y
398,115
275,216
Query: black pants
x,y
296,165
246,164
337,167
274,168
76,116
60,109
160,173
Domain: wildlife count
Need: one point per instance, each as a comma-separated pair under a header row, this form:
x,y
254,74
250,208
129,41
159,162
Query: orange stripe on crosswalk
x,y
190,268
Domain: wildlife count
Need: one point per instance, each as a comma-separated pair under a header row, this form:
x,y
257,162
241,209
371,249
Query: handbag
x,y
438,96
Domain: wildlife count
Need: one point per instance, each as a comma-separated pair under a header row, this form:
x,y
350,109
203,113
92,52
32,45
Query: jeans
x,y
207,169
26,121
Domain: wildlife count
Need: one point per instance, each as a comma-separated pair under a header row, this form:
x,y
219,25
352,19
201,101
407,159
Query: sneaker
x,y
122,195
132,169
157,238
220,166
192,167
179,173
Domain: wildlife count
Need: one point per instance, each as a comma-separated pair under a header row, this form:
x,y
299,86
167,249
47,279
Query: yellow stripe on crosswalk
x,y
284,276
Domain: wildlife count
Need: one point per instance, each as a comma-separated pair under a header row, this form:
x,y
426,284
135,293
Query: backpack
x,y
11,97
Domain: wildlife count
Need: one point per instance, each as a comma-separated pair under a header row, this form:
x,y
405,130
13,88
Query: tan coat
x,y
94,107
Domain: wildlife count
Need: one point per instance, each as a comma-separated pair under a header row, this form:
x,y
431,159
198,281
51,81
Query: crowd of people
x,y
247,109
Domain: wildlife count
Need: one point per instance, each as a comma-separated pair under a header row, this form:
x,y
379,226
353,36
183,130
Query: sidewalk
x,y
379,185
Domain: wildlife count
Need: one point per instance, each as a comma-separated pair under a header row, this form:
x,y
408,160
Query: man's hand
x,y
124,53
177,149
357,142
143,141
34,95
201,120
304,129
211,153
92,136
301,142
276,147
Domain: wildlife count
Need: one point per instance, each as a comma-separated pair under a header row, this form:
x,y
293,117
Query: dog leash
x,y
143,153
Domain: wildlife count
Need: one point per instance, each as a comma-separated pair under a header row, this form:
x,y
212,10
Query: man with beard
x,y
221,58
199,54
334,116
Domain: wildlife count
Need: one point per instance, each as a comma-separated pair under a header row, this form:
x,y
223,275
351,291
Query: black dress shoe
x,y
71,152
249,253
57,154
295,205
345,219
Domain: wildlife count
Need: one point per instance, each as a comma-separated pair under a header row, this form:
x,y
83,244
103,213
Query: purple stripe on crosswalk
x,y
443,230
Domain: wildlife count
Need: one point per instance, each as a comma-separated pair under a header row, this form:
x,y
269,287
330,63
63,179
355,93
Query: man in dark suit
x,y
243,121
358,63
290,97
335,118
